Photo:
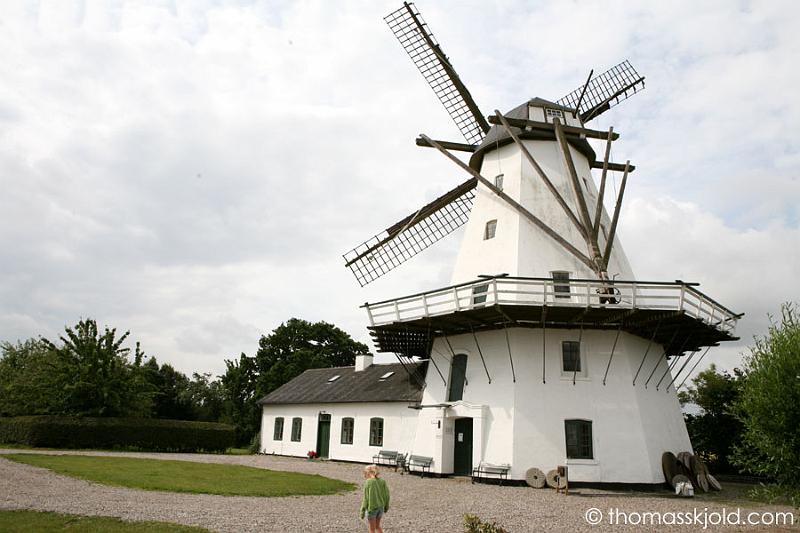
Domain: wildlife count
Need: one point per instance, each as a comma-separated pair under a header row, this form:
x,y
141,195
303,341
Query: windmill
x,y
437,219
545,344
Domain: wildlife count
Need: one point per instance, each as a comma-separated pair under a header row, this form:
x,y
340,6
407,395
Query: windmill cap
x,y
498,136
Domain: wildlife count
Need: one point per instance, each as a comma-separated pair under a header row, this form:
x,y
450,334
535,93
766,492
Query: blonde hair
x,y
370,471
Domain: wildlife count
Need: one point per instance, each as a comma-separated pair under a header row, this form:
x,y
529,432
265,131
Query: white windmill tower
x,y
546,349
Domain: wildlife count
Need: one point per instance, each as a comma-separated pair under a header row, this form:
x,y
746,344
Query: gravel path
x,y
418,505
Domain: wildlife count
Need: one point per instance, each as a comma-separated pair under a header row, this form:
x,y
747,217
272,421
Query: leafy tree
x,y
28,379
769,404
297,345
292,348
95,376
206,397
715,430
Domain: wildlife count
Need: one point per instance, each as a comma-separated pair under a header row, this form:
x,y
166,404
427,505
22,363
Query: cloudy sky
x,y
192,171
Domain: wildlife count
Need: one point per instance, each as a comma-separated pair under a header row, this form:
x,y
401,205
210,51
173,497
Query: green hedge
x,y
109,433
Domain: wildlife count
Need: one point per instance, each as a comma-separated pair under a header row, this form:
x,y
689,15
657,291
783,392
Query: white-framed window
x,y
297,429
578,437
277,431
554,113
498,181
376,431
348,425
561,283
479,294
490,231
571,357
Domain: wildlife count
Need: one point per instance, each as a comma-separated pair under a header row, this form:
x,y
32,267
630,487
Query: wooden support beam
x,y
666,347
580,200
480,352
615,167
598,211
650,343
545,179
459,147
692,370
614,220
513,203
610,357
546,126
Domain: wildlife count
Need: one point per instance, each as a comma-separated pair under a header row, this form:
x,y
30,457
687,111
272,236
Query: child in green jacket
x,y
376,499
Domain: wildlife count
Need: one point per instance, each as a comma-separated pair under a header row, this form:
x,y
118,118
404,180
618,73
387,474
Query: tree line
x,y
90,372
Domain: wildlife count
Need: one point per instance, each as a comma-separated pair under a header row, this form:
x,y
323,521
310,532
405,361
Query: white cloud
x,y
193,171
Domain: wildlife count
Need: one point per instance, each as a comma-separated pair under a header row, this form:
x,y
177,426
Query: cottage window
x,y
561,283
571,356
297,428
376,431
458,376
347,430
490,230
277,433
579,439
498,181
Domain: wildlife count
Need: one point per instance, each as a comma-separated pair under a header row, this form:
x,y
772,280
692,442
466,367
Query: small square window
x,y
571,356
554,113
479,294
561,284
490,231
498,181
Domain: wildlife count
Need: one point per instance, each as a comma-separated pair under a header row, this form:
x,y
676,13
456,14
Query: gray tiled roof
x,y
312,386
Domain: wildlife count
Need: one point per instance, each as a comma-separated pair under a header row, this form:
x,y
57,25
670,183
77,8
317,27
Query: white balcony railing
x,y
675,296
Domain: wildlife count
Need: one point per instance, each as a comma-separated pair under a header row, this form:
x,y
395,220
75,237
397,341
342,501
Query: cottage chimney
x,y
363,362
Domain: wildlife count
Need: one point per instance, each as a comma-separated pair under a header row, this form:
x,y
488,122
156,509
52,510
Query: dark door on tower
x,y
324,435
462,454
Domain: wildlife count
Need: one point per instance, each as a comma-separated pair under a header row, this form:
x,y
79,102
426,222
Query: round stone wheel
x,y
702,482
535,478
679,478
713,483
552,479
669,464
697,466
686,458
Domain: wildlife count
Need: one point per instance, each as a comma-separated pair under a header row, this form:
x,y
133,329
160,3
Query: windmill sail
x,y
407,238
604,91
416,38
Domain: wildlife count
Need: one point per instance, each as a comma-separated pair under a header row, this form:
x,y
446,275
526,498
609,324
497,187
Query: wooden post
x,y
598,210
614,220
475,337
580,200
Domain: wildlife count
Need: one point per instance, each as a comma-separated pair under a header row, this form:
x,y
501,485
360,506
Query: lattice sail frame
x,y
419,43
402,241
603,92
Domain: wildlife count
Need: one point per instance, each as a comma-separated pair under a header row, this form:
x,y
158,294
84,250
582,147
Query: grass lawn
x,y
185,476
43,522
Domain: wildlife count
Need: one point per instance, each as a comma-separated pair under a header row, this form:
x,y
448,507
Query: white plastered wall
x,y
522,422
399,427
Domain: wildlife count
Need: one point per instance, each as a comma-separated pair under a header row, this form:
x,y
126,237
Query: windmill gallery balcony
x,y
673,314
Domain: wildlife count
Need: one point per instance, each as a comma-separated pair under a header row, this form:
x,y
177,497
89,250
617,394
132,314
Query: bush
x,y
110,433
473,524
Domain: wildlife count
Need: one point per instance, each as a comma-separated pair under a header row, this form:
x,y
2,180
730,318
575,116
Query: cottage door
x,y
462,453
324,435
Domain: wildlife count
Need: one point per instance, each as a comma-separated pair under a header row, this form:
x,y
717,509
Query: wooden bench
x,y
386,457
489,471
419,463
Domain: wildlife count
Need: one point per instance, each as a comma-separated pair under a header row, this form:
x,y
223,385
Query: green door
x,y
462,452
324,435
